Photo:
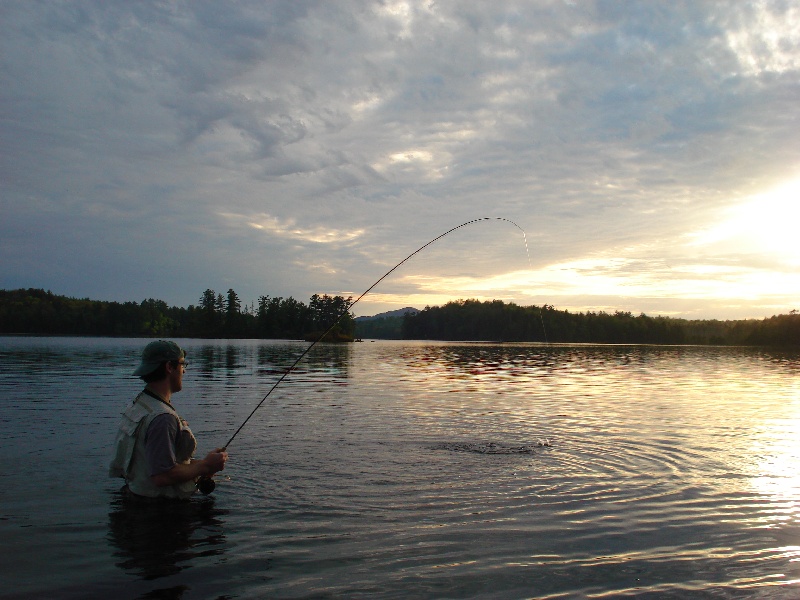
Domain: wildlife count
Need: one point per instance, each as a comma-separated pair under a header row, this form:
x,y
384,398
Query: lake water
x,y
412,470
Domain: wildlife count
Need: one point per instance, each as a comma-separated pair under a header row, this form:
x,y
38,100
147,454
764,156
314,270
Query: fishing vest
x,y
130,461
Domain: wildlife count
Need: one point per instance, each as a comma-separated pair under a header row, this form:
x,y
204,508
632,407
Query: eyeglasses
x,y
185,365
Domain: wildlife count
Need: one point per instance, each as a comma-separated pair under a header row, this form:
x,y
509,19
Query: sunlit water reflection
x,y
396,469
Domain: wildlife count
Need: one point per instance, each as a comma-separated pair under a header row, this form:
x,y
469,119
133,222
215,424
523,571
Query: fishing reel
x,y
206,485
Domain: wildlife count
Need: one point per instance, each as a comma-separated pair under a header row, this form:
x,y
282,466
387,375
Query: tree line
x,y
40,312
499,321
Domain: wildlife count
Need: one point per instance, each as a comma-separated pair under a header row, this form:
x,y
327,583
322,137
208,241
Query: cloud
x,y
289,229
238,139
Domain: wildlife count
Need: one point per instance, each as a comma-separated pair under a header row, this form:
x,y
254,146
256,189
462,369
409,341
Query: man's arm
x,y
213,462
160,451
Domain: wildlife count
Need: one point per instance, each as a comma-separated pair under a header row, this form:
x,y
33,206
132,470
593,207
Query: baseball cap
x,y
157,353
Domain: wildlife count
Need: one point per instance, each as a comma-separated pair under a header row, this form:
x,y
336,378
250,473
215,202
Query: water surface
x,y
411,469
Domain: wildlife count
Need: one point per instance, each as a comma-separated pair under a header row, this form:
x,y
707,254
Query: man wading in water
x,y
154,446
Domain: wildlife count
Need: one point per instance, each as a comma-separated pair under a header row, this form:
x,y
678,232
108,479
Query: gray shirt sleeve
x,y
159,444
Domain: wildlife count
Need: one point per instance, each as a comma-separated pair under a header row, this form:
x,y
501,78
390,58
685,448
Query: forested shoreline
x,y
39,312
497,320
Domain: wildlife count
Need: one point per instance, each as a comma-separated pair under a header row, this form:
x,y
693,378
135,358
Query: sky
x,y
631,156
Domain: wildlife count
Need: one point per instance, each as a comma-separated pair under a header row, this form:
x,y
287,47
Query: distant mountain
x,y
392,313
383,326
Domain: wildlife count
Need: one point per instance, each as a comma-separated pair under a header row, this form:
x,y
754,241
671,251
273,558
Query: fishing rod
x,y
206,485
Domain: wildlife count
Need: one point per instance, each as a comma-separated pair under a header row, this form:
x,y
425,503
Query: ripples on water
x,y
394,470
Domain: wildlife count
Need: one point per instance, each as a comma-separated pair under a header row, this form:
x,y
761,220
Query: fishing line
x,y
368,290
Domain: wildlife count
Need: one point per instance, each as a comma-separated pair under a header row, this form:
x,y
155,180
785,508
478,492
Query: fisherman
x,y
154,446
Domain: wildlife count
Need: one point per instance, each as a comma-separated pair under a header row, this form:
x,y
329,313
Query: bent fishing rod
x,y
347,310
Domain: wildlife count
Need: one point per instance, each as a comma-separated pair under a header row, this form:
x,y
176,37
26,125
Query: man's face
x,y
176,370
